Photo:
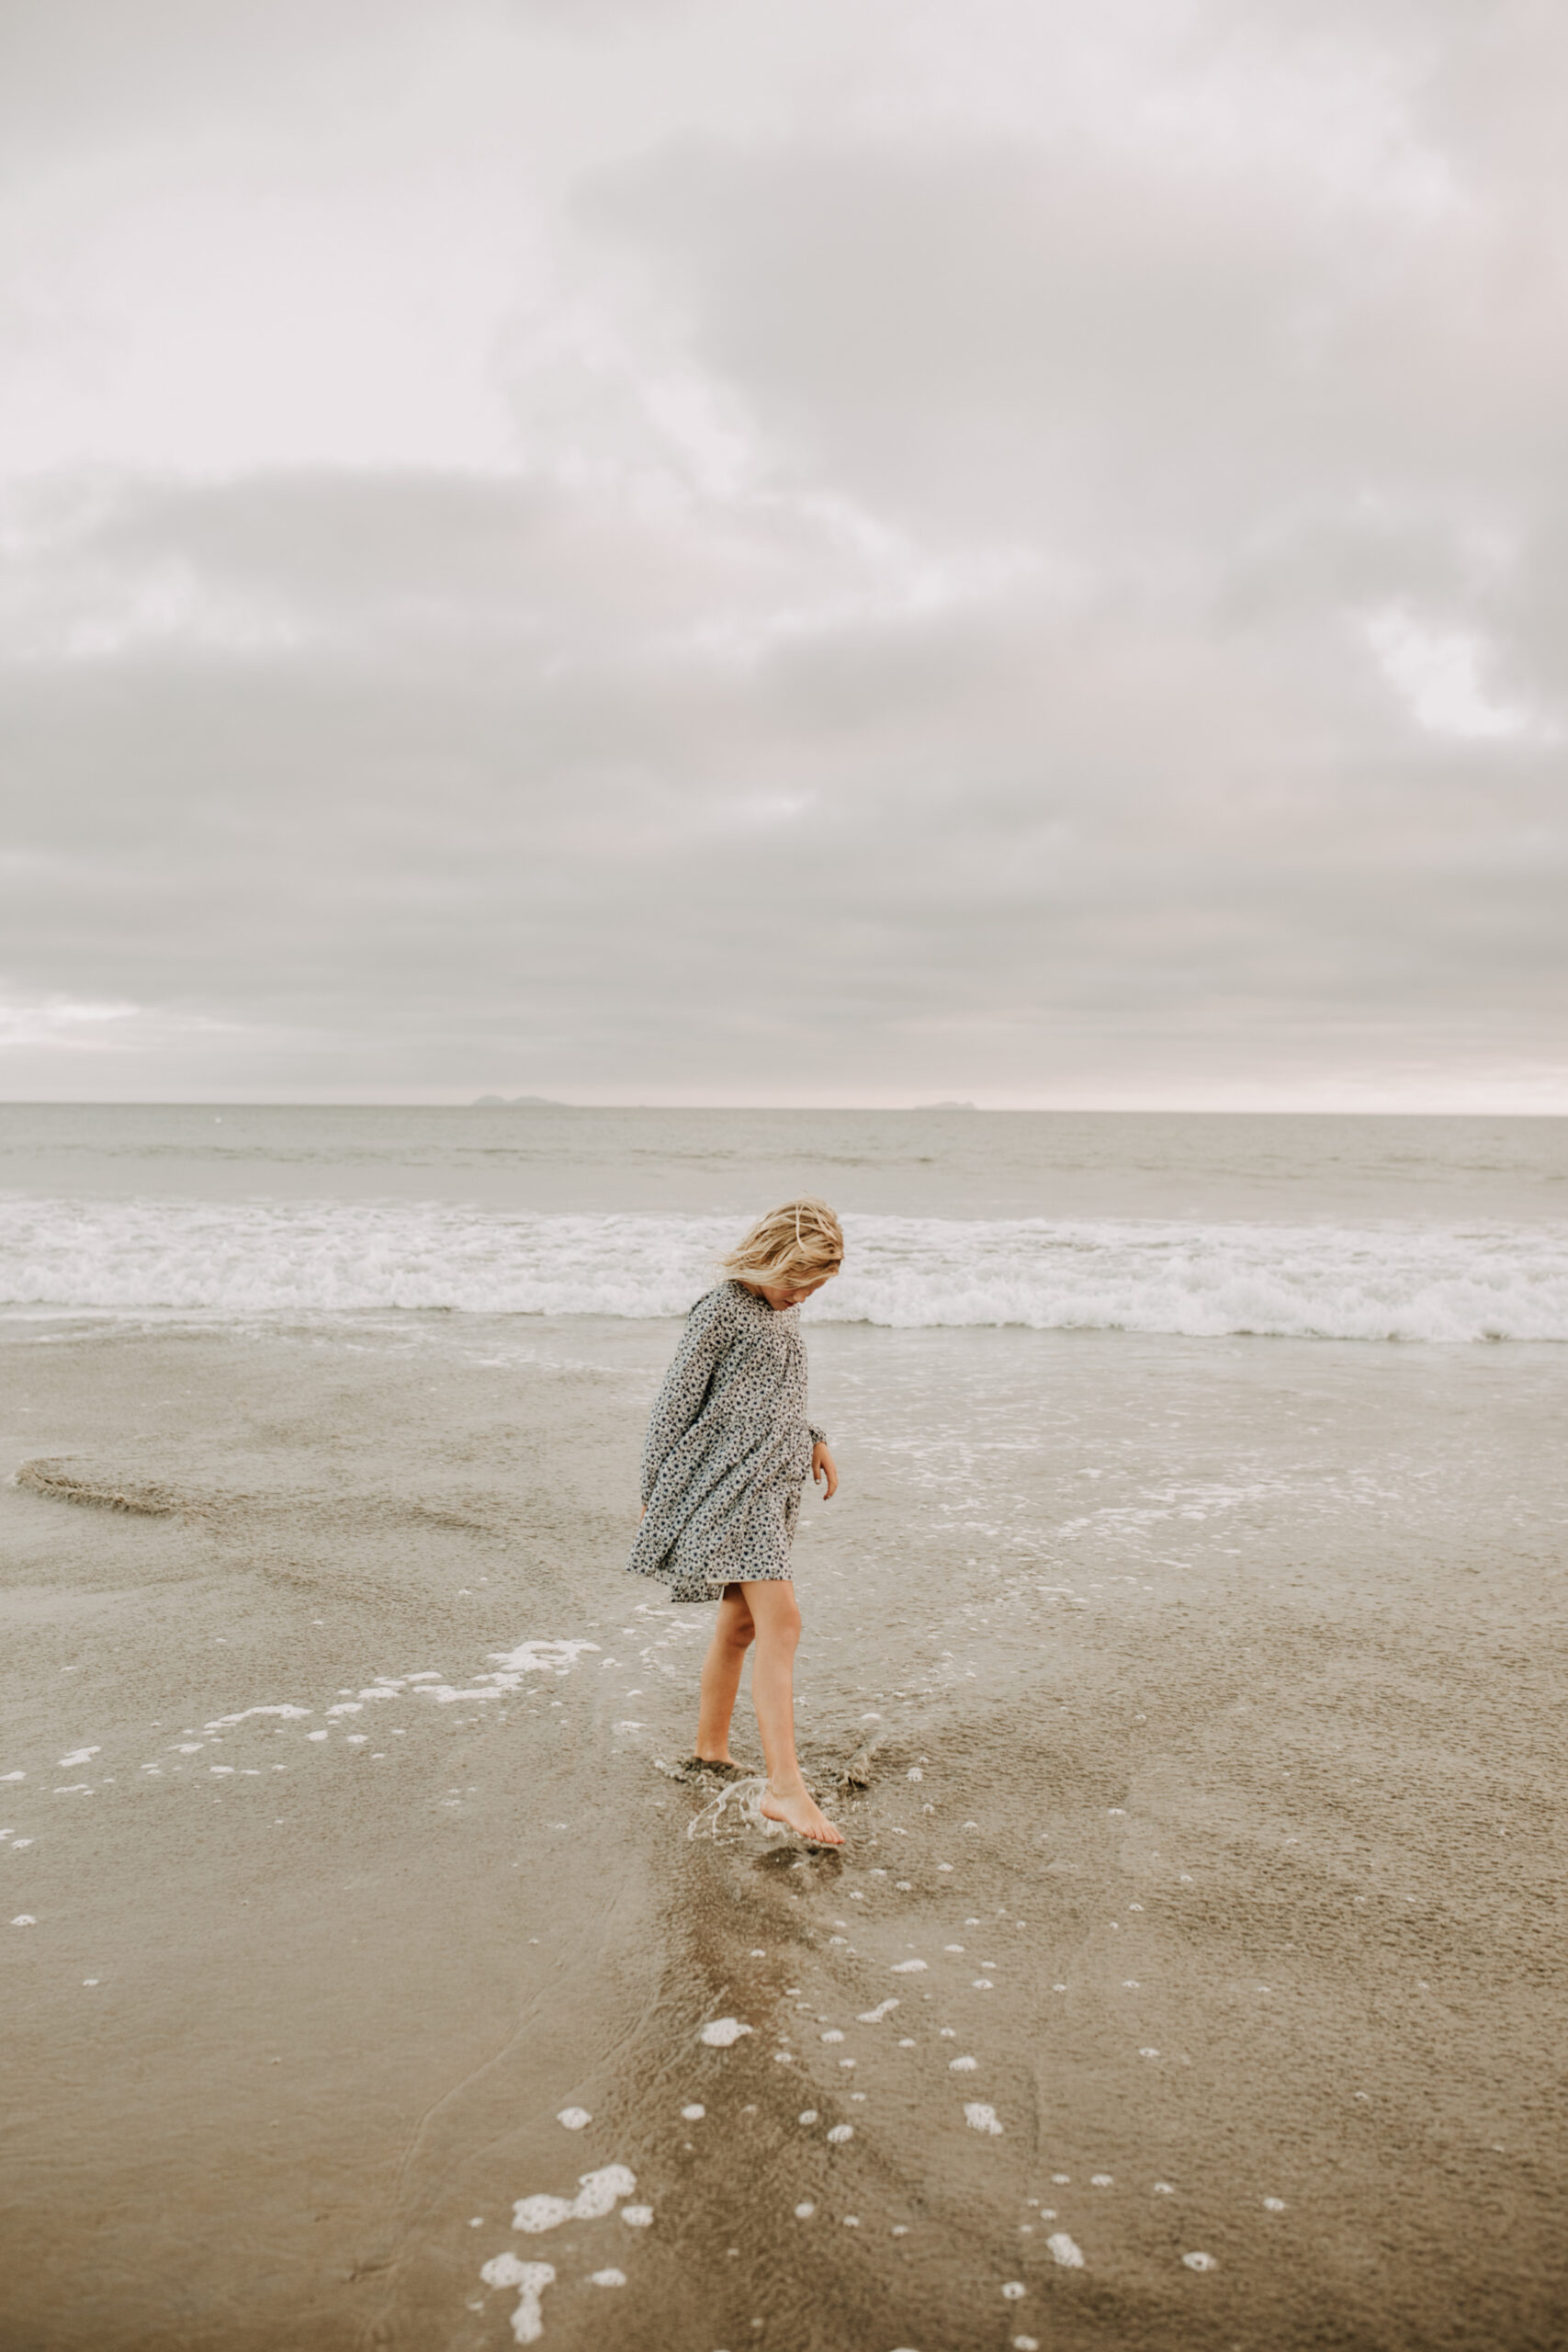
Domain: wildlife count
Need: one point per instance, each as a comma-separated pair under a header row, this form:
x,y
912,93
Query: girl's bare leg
x,y
776,1616
732,1635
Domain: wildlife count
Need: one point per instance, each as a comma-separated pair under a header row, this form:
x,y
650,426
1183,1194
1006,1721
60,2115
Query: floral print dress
x,y
728,1449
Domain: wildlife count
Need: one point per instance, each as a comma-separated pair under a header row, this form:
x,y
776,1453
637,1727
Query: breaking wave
x,y
1445,1284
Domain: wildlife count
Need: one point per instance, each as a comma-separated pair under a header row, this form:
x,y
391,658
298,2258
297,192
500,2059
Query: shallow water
x,y
1190,1977
1213,1795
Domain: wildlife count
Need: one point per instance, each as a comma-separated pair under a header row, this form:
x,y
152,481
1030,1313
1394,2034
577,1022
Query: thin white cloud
x,y
1440,674
59,1023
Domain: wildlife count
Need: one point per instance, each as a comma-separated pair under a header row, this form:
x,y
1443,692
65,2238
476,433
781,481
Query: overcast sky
x,y
788,551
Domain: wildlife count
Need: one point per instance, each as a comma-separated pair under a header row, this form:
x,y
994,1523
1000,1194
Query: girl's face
x,y
780,1296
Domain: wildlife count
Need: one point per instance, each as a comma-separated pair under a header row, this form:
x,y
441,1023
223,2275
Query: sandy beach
x,y
625,622
1191,1977
914,655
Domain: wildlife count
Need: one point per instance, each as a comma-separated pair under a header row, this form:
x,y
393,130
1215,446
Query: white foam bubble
x,y
981,2117
1063,2251
535,2215
740,1801
531,2279
637,2217
1273,2204
909,1968
78,1756
804,2210
720,2033
692,2114
1015,2291
574,2118
883,2009
288,1715
534,1658
24,1919
962,2066
599,2191
598,2194
606,2278
840,2132
1199,2262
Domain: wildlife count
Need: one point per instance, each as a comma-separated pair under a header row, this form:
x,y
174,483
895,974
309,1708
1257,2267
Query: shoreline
x,y
1307,1740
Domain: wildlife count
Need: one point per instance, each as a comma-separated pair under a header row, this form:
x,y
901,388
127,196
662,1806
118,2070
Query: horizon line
x,y
999,1110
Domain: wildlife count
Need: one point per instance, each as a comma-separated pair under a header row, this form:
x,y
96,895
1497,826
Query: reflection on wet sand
x,y
1197,1813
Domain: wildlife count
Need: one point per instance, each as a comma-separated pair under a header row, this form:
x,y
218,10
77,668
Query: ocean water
x,y
1183,1657
1436,1230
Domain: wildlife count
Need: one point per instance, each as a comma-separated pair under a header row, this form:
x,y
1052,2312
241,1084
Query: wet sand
x,y
1217,1795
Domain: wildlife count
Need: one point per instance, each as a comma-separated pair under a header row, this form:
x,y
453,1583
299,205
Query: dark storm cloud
x,y
979,611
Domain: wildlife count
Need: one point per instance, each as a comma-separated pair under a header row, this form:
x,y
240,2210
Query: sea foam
x,y
245,1259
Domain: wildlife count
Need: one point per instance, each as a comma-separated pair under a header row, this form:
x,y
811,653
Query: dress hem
x,y
714,1589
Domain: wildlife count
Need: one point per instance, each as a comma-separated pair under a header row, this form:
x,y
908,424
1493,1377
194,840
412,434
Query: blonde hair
x,y
798,1243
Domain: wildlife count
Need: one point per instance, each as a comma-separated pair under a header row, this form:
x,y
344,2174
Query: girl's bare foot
x,y
799,1810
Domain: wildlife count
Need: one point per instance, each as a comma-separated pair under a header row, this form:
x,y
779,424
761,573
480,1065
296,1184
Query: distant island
x,y
944,1106
515,1102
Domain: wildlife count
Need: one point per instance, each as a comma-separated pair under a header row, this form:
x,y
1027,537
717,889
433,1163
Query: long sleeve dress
x,y
728,1449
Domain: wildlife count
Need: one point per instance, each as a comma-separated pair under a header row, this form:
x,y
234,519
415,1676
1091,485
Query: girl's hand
x,y
824,1466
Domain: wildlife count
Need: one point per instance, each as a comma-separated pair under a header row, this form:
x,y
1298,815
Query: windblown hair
x,y
798,1243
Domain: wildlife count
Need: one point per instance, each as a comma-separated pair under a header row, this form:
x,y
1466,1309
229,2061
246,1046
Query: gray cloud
x,y
1055,613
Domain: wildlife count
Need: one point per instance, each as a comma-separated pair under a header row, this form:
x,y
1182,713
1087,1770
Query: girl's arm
x,y
685,1388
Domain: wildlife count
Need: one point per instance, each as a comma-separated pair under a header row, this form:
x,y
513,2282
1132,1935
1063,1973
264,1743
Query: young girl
x,y
723,1471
